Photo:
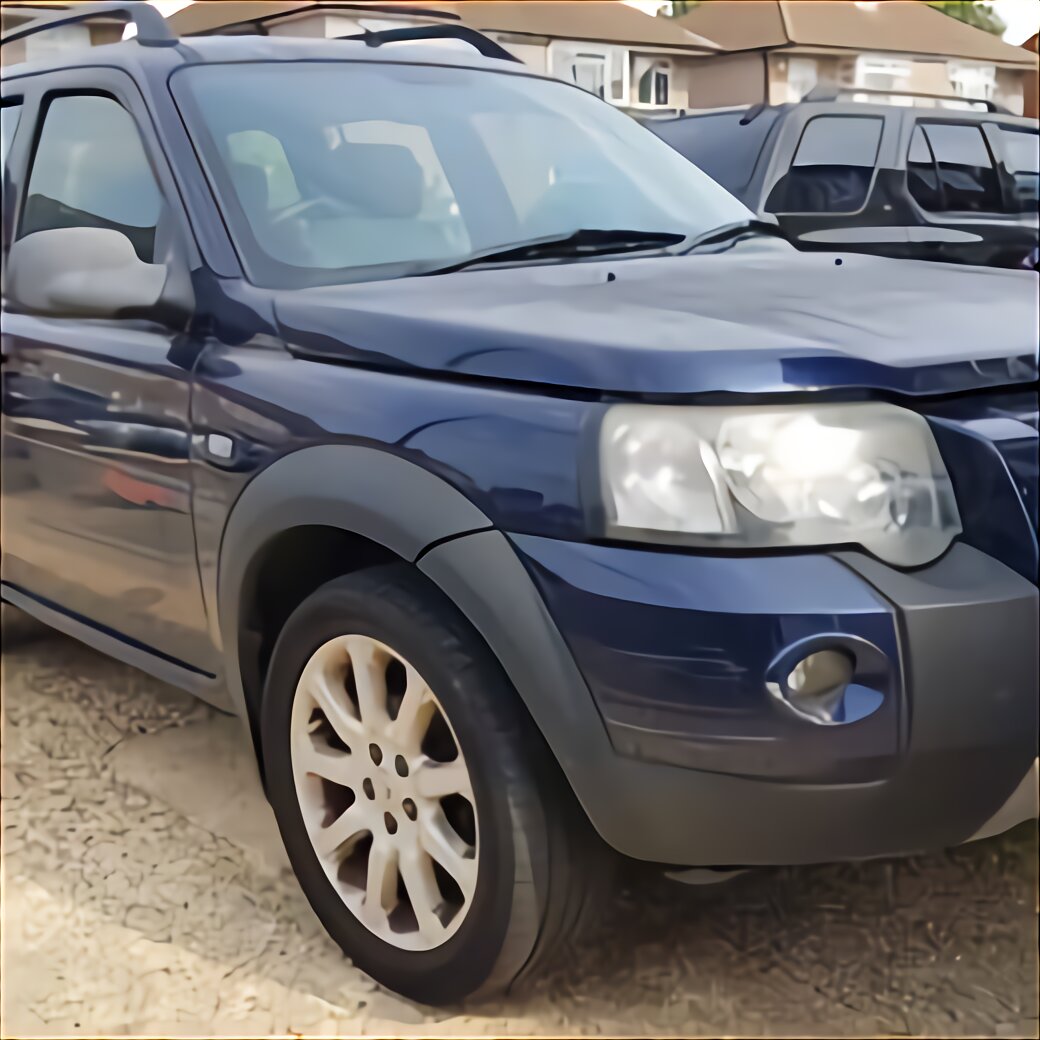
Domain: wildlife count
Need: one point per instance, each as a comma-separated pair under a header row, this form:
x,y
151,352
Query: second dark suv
x,y
914,182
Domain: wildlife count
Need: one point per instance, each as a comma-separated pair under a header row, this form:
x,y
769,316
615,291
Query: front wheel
x,y
421,811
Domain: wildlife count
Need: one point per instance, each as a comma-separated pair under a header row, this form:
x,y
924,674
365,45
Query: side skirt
x,y
209,688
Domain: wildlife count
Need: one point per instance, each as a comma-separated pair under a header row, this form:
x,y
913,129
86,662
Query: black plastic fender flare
x,y
364,491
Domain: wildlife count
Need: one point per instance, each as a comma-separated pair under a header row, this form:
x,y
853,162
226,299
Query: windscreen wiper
x,y
738,229
578,244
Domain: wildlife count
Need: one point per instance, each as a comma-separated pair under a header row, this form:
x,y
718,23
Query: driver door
x,y
96,433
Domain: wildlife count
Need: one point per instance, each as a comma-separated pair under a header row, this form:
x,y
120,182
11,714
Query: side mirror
x,y
81,272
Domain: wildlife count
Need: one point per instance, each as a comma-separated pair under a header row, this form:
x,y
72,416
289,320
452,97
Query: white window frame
x,y
563,54
973,79
802,75
897,72
654,65
600,63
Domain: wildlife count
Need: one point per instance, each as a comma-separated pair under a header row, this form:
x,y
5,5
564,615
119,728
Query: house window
x,y
801,77
619,72
601,70
56,41
654,84
653,81
971,80
589,71
878,72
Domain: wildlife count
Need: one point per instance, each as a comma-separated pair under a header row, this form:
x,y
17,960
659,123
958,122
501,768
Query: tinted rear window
x,y
718,144
1021,153
833,167
949,167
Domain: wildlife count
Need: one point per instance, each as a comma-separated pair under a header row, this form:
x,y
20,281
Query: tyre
x,y
423,814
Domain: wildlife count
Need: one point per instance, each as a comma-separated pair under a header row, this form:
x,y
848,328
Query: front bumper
x,y
677,651
1023,804
624,656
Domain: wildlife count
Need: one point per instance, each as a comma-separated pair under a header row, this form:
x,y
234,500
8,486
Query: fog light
x,y
816,685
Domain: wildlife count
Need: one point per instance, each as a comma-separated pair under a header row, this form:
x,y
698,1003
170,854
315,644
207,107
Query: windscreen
x,y
335,171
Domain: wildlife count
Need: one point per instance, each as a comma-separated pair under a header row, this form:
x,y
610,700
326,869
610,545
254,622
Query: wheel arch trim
x,y
392,502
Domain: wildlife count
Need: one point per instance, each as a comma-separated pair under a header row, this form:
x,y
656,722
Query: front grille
x,y
990,445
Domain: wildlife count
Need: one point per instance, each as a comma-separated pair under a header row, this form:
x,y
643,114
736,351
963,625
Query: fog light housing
x,y
815,687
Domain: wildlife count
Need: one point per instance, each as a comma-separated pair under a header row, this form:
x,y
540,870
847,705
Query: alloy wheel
x,y
384,792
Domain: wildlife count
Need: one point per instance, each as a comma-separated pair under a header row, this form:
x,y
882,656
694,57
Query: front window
x,y
833,168
90,170
331,172
9,115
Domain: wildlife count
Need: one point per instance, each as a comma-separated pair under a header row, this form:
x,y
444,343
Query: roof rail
x,y
756,110
484,44
258,24
832,92
152,30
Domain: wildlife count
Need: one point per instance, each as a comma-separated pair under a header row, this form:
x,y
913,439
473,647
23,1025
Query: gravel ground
x,y
145,892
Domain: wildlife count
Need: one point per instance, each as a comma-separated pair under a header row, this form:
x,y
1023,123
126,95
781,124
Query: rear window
x,y
833,167
949,168
1021,153
718,144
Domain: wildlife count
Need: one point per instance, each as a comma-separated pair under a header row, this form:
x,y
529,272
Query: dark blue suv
x,y
524,496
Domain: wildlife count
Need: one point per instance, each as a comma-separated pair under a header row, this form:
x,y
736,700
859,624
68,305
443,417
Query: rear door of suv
x,y
973,184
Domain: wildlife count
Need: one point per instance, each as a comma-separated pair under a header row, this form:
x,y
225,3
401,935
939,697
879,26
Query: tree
x,y
681,7
981,15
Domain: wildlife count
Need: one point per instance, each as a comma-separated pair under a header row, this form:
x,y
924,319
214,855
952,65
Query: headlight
x,y
769,477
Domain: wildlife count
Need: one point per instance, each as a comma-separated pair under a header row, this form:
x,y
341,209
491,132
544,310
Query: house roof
x,y
608,22
897,26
